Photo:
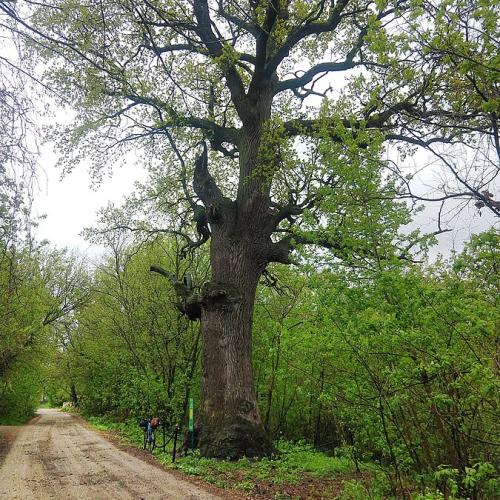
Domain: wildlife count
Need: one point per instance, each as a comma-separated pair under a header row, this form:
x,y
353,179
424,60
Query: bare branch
x,y
304,31
307,77
216,49
203,183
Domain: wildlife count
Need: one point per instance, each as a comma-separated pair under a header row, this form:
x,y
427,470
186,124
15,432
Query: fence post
x,y
176,432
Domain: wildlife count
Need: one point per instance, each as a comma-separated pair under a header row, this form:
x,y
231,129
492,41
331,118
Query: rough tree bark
x,y
230,423
229,419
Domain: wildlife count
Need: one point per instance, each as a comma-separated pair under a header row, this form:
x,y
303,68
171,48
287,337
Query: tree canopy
x,y
300,104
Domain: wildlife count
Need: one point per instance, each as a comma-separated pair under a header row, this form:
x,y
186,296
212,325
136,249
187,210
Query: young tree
x,y
248,77
17,144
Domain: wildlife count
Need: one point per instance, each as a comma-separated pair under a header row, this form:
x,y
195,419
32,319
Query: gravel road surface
x,y
55,456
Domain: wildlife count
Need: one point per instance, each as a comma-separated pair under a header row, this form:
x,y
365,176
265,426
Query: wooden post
x,y
176,432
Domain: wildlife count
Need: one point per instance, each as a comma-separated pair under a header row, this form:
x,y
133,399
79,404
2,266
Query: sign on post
x,y
191,421
191,414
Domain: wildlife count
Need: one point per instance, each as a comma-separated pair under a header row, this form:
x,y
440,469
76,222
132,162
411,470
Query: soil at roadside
x,y
55,456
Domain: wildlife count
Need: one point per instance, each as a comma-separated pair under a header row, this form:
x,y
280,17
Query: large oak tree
x,y
297,101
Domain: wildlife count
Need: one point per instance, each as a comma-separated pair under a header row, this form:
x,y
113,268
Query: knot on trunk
x,y
213,213
191,307
188,302
244,406
219,295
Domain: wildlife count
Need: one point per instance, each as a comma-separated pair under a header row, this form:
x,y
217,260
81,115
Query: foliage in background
x,y
397,369
39,291
129,353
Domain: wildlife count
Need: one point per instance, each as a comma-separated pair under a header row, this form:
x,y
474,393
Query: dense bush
x,y
399,369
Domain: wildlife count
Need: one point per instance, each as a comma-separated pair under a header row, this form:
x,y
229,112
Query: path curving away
x,y
56,457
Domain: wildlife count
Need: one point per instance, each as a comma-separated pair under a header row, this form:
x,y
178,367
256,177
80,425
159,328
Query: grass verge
x,y
16,419
298,472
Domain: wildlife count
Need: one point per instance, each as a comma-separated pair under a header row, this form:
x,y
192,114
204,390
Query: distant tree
x,y
297,101
17,146
39,291
147,353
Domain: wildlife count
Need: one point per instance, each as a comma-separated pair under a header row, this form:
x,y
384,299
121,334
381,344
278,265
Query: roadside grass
x,y
297,471
22,418
294,464
14,420
128,431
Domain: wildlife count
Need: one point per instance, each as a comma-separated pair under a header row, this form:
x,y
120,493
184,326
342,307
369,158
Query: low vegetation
x,y
300,471
295,469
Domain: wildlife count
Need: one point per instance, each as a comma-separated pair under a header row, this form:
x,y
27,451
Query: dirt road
x,y
55,456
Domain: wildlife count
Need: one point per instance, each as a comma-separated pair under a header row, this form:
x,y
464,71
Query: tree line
x,y
396,367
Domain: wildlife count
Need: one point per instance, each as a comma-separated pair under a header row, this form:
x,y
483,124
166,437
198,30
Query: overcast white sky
x,y
70,205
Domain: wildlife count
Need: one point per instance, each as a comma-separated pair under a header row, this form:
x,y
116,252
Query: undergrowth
x,y
294,464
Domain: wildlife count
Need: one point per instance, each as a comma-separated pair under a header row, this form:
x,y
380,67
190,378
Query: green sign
x,y
191,413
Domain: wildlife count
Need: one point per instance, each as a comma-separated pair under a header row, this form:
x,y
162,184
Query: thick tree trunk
x,y
230,423
229,420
